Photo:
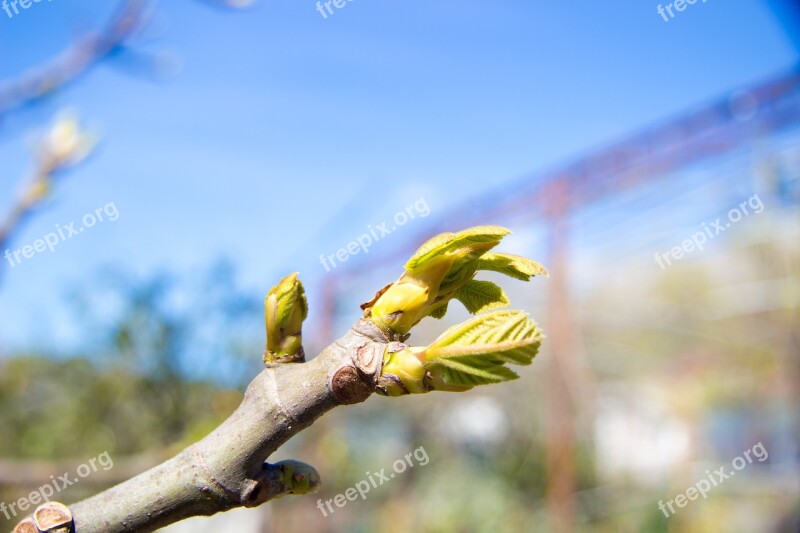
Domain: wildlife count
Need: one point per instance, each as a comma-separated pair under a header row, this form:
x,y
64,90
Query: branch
x,y
64,146
226,469
44,79
83,54
74,61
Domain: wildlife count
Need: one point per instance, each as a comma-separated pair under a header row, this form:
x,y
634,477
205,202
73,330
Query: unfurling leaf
x,y
481,296
475,352
288,293
469,354
439,312
479,236
435,274
512,265
509,336
467,374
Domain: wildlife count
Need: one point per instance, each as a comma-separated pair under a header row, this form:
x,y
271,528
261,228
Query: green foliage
x,y
443,268
476,352
473,239
439,312
144,382
466,355
482,296
470,354
515,266
285,295
70,408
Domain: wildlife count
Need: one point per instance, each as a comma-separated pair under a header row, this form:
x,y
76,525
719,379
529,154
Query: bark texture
x,y
227,468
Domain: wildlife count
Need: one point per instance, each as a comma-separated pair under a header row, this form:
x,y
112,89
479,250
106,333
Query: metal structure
x,y
732,123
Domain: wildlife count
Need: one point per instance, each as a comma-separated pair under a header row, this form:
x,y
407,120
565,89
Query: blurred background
x,y
203,149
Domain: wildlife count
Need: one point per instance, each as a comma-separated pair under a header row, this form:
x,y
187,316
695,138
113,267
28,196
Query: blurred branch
x,y
231,4
60,71
74,61
83,54
64,146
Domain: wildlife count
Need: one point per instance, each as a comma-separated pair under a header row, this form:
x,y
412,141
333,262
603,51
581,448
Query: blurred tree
x,y
128,392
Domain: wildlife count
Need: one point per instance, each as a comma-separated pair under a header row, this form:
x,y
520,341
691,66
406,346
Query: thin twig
x,y
74,61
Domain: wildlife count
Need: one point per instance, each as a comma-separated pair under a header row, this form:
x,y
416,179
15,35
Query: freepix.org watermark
x,y
325,9
62,233
698,240
678,5
15,5
56,485
374,234
714,479
373,481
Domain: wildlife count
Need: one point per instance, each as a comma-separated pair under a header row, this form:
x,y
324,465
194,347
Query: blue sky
x,y
281,134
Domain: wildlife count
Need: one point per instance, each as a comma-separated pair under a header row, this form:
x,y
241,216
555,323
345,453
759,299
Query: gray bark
x,y
226,469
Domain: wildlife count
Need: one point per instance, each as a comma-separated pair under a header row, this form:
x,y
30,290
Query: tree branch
x,y
226,469
64,146
83,54
74,61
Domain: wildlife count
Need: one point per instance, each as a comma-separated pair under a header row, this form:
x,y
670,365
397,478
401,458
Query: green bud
x,y
402,305
403,373
442,269
285,309
469,354
434,275
296,477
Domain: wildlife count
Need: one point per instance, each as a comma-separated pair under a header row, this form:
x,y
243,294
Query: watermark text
x,y
678,5
714,479
56,485
15,5
374,234
62,233
373,481
699,239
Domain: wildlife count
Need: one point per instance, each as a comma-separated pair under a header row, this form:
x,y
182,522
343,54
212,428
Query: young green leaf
x,y
481,296
452,373
512,265
469,354
288,293
480,237
443,268
508,335
439,312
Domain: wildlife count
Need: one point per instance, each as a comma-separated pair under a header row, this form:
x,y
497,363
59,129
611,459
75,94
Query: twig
x,y
226,469
76,60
